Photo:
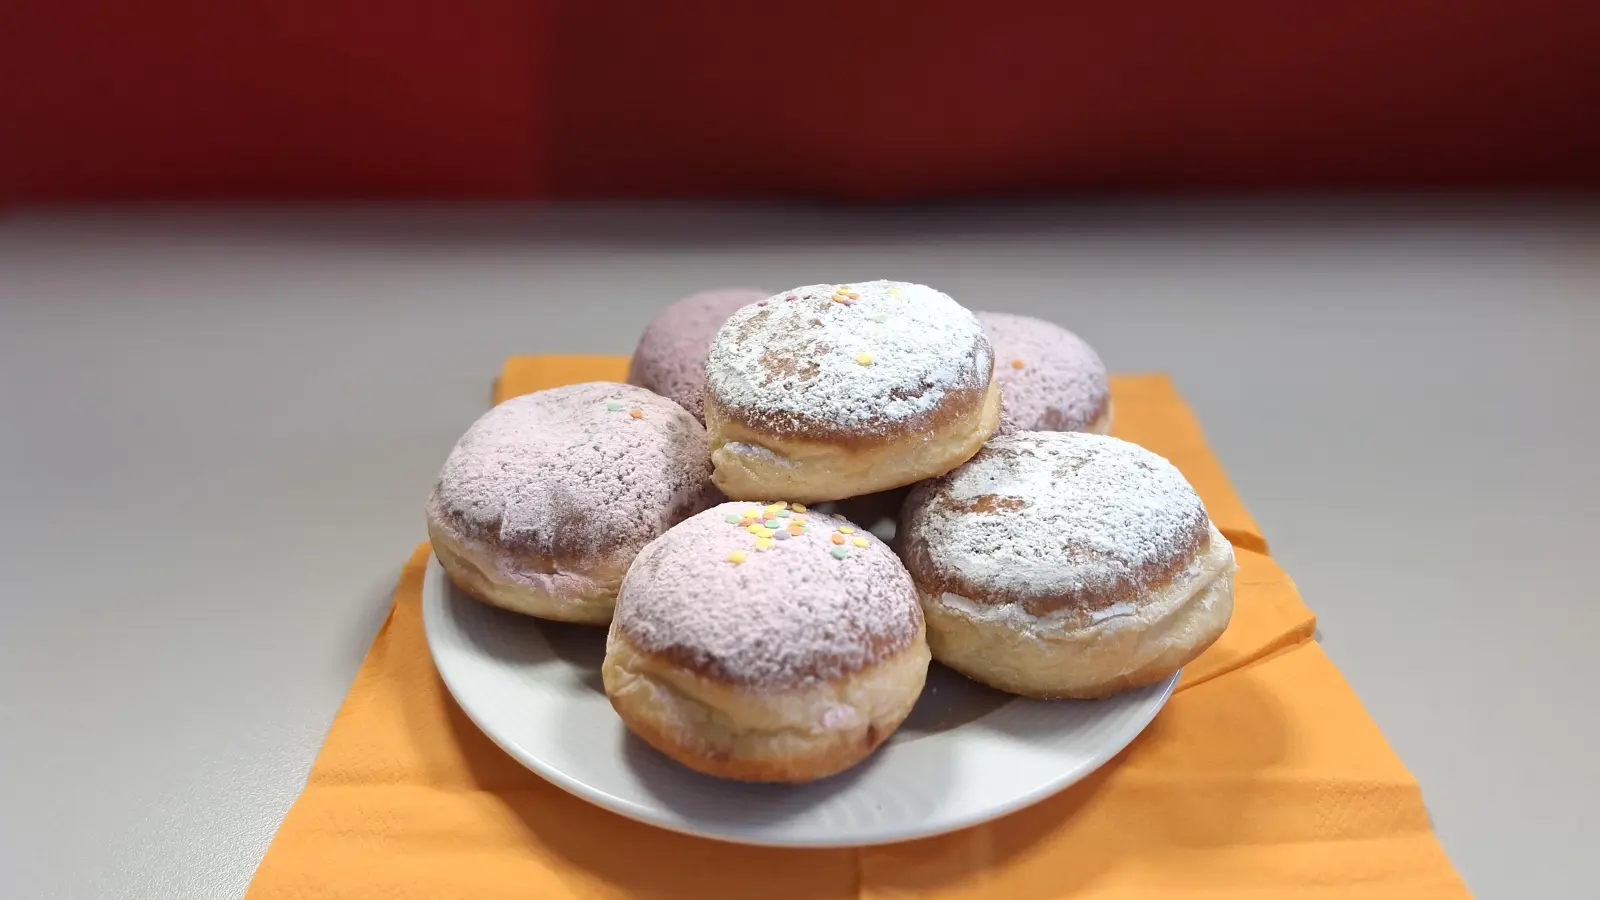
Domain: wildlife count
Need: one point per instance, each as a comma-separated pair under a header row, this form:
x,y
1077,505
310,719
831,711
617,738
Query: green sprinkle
x,y
614,407
840,553
732,519
783,514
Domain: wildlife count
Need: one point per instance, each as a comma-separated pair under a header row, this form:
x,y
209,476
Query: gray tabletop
x,y
217,429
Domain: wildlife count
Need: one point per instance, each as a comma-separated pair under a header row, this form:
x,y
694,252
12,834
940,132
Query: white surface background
x,y
217,430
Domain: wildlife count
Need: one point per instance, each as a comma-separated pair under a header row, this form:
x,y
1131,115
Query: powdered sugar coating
x,y
887,357
786,616
671,356
1061,384
563,475
1053,520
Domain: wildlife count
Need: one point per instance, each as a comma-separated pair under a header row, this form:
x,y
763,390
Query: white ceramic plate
x,y
967,754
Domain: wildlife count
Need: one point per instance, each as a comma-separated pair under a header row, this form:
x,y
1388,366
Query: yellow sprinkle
x,y
798,507
764,532
864,358
752,513
774,507
859,542
842,288
894,290
736,557
763,543
754,528
846,529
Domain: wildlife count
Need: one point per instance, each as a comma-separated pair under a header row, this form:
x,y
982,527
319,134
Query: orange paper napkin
x,y
1263,777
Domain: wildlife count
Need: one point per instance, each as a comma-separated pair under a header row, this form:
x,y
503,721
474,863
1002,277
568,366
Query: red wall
x,y
565,98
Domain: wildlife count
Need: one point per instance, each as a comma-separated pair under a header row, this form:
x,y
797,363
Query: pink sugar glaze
x,y
558,474
786,616
672,352
1062,385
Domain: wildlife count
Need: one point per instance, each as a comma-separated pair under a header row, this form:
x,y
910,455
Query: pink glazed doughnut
x,y
766,642
1050,379
547,498
671,356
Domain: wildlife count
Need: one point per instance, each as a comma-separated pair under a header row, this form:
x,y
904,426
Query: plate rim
x,y
433,586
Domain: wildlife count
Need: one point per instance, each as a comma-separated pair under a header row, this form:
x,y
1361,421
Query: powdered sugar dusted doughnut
x,y
831,391
765,642
1056,564
671,356
547,498
1050,379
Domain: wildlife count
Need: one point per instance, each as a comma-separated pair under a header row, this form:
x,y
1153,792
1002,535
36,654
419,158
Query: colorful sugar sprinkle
x,y
838,539
763,543
753,528
764,532
798,507
782,535
736,557
797,530
636,413
1017,364
784,514
840,553
614,407
864,359
732,519
859,541
846,529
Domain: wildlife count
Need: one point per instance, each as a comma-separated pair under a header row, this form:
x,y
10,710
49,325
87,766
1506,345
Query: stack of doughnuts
x,y
756,632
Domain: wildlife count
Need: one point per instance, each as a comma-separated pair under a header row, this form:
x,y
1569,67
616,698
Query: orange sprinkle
x,y
796,530
636,413
1016,364
859,541
838,539
852,295
840,298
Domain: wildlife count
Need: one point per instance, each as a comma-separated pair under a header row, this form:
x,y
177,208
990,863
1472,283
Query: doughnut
x,y
1050,379
1063,564
832,391
546,499
765,642
671,356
